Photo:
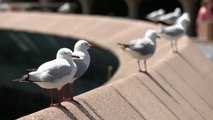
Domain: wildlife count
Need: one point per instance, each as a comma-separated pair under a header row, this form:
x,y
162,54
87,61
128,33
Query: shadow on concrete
x,y
67,112
160,86
187,101
141,115
83,110
156,96
185,81
91,108
189,63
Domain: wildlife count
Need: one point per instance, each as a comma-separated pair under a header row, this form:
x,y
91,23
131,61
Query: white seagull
x,y
80,49
154,16
54,74
65,8
142,48
171,17
174,32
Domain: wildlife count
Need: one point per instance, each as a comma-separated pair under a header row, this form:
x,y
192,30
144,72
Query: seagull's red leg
x,y
51,98
145,66
176,46
139,66
63,93
60,99
71,94
71,89
172,45
70,98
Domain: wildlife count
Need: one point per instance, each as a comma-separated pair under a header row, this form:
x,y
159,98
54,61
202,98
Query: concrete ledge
x,y
174,89
178,86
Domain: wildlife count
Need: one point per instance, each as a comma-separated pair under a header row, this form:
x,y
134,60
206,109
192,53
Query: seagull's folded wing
x,y
51,71
144,48
172,31
81,67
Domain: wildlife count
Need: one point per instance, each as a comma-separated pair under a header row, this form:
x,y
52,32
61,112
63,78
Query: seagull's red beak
x,y
75,56
91,46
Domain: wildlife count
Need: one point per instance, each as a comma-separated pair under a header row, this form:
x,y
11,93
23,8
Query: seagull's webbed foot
x,y
60,105
52,105
67,99
71,100
143,71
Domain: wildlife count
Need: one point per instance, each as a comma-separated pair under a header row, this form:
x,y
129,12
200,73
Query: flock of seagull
x,y
69,66
160,16
144,48
65,69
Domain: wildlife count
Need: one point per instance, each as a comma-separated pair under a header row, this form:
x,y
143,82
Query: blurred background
x,y
20,50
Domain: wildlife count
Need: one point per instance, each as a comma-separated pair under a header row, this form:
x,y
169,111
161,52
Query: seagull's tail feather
x,y
24,78
123,46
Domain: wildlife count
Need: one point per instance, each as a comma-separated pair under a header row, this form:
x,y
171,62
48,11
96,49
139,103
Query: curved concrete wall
x,y
178,86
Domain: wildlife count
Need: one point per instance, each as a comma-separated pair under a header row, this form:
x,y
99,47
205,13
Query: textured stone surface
x,y
142,99
167,96
72,111
110,105
185,91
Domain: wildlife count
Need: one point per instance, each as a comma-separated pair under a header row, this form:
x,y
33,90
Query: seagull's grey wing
x,y
144,48
58,73
81,67
134,41
172,31
51,72
169,19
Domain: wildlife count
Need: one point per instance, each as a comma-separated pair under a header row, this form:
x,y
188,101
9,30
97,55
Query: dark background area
x,y
21,50
114,7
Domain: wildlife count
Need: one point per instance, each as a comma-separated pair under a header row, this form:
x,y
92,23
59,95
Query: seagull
x,y
153,16
174,32
170,18
54,74
80,49
65,8
142,49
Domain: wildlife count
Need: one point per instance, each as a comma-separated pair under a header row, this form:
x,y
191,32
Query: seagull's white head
x,y
151,34
184,20
161,11
83,45
65,53
177,11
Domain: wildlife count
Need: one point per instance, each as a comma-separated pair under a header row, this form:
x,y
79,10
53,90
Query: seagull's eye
x,y
86,44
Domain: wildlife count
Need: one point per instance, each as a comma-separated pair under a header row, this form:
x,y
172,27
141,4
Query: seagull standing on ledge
x,y
171,18
54,74
154,16
142,49
176,31
81,50
65,8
